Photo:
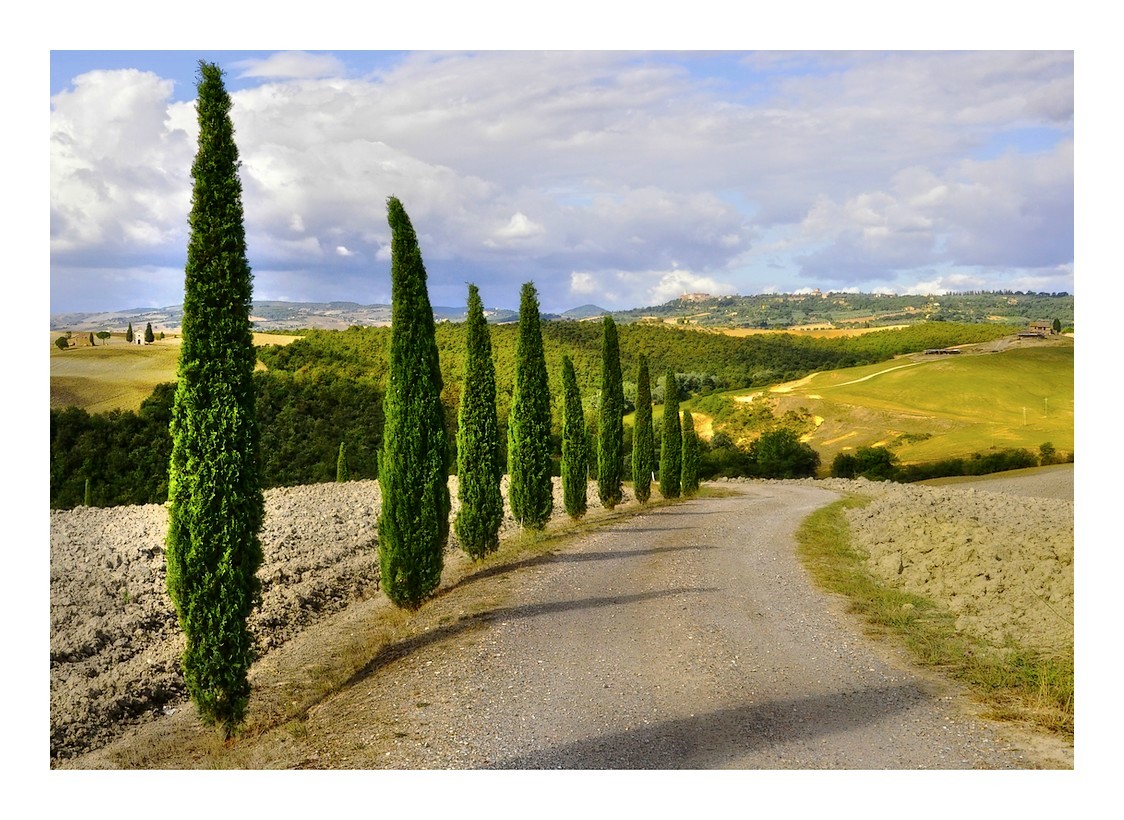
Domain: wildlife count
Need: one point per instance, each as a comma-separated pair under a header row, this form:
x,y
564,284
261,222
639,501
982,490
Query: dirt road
x,y
686,638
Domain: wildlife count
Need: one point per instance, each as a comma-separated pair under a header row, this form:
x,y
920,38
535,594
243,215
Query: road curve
x,y
689,637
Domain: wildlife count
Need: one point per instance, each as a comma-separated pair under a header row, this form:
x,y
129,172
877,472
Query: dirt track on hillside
x,y
687,637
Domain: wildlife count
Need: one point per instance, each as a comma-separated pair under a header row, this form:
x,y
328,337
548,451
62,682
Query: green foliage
x,y
479,465
414,519
62,343
148,336
302,419
129,337
873,463
342,473
531,490
879,464
575,445
216,506
722,458
123,454
91,339
671,441
781,454
1057,325
305,417
103,334
691,456
643,446
610,439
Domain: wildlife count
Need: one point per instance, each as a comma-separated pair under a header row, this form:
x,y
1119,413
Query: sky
x,y
621,178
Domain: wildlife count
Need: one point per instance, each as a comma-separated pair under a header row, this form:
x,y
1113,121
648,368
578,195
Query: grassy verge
x,y
1014,682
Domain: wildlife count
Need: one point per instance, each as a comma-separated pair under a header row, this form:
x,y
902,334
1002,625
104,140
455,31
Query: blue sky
x,y
621,178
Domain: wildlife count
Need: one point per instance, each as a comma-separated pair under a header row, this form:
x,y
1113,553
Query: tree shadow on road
x,y
567,558
720,738
468,623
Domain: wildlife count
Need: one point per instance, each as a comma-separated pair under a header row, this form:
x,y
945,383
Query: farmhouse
x,y
1039,329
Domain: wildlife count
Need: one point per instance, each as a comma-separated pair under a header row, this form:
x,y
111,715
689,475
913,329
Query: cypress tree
x,y
342,473
91,339
414,520
690,469
479,469
575,445
610,439
642,444
671,447
129,334
148,337
215,502
530,488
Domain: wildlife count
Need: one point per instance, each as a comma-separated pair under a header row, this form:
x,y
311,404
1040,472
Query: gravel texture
x,y
688,637
115,641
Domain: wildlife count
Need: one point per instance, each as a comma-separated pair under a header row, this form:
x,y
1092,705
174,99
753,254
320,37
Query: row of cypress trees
x,y
216,503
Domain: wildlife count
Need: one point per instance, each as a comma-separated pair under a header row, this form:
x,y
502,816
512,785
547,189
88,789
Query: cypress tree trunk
x,y
215,499
642,444
414,520
690,469
671,448
530,489
342,473
610,440
479,469
575,445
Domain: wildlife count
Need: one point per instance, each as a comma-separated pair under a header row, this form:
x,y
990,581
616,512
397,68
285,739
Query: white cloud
x,y
291,65
583,283
869,170
518,228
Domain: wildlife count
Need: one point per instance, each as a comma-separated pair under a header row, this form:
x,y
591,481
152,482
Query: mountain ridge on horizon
x,y
767,310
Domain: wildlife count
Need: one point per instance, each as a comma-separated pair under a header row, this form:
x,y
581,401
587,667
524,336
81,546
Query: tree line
x,y
327,389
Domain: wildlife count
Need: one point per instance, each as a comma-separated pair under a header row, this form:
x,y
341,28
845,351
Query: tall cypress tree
x,y
129,334
149,338
610,439
530,489
215,501
479,469
643,448
575,445
671,440
342,473
690,469
413,476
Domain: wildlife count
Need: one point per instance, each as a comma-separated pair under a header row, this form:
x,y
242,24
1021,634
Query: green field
x,y
118,375
933,407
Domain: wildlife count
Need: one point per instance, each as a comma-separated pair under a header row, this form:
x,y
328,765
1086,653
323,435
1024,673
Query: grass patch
x,y
1016,683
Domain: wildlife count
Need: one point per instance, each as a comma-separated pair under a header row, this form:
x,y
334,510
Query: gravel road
x,y
686,638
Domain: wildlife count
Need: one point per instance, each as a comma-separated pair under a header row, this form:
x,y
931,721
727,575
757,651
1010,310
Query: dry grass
x,y
1016,683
